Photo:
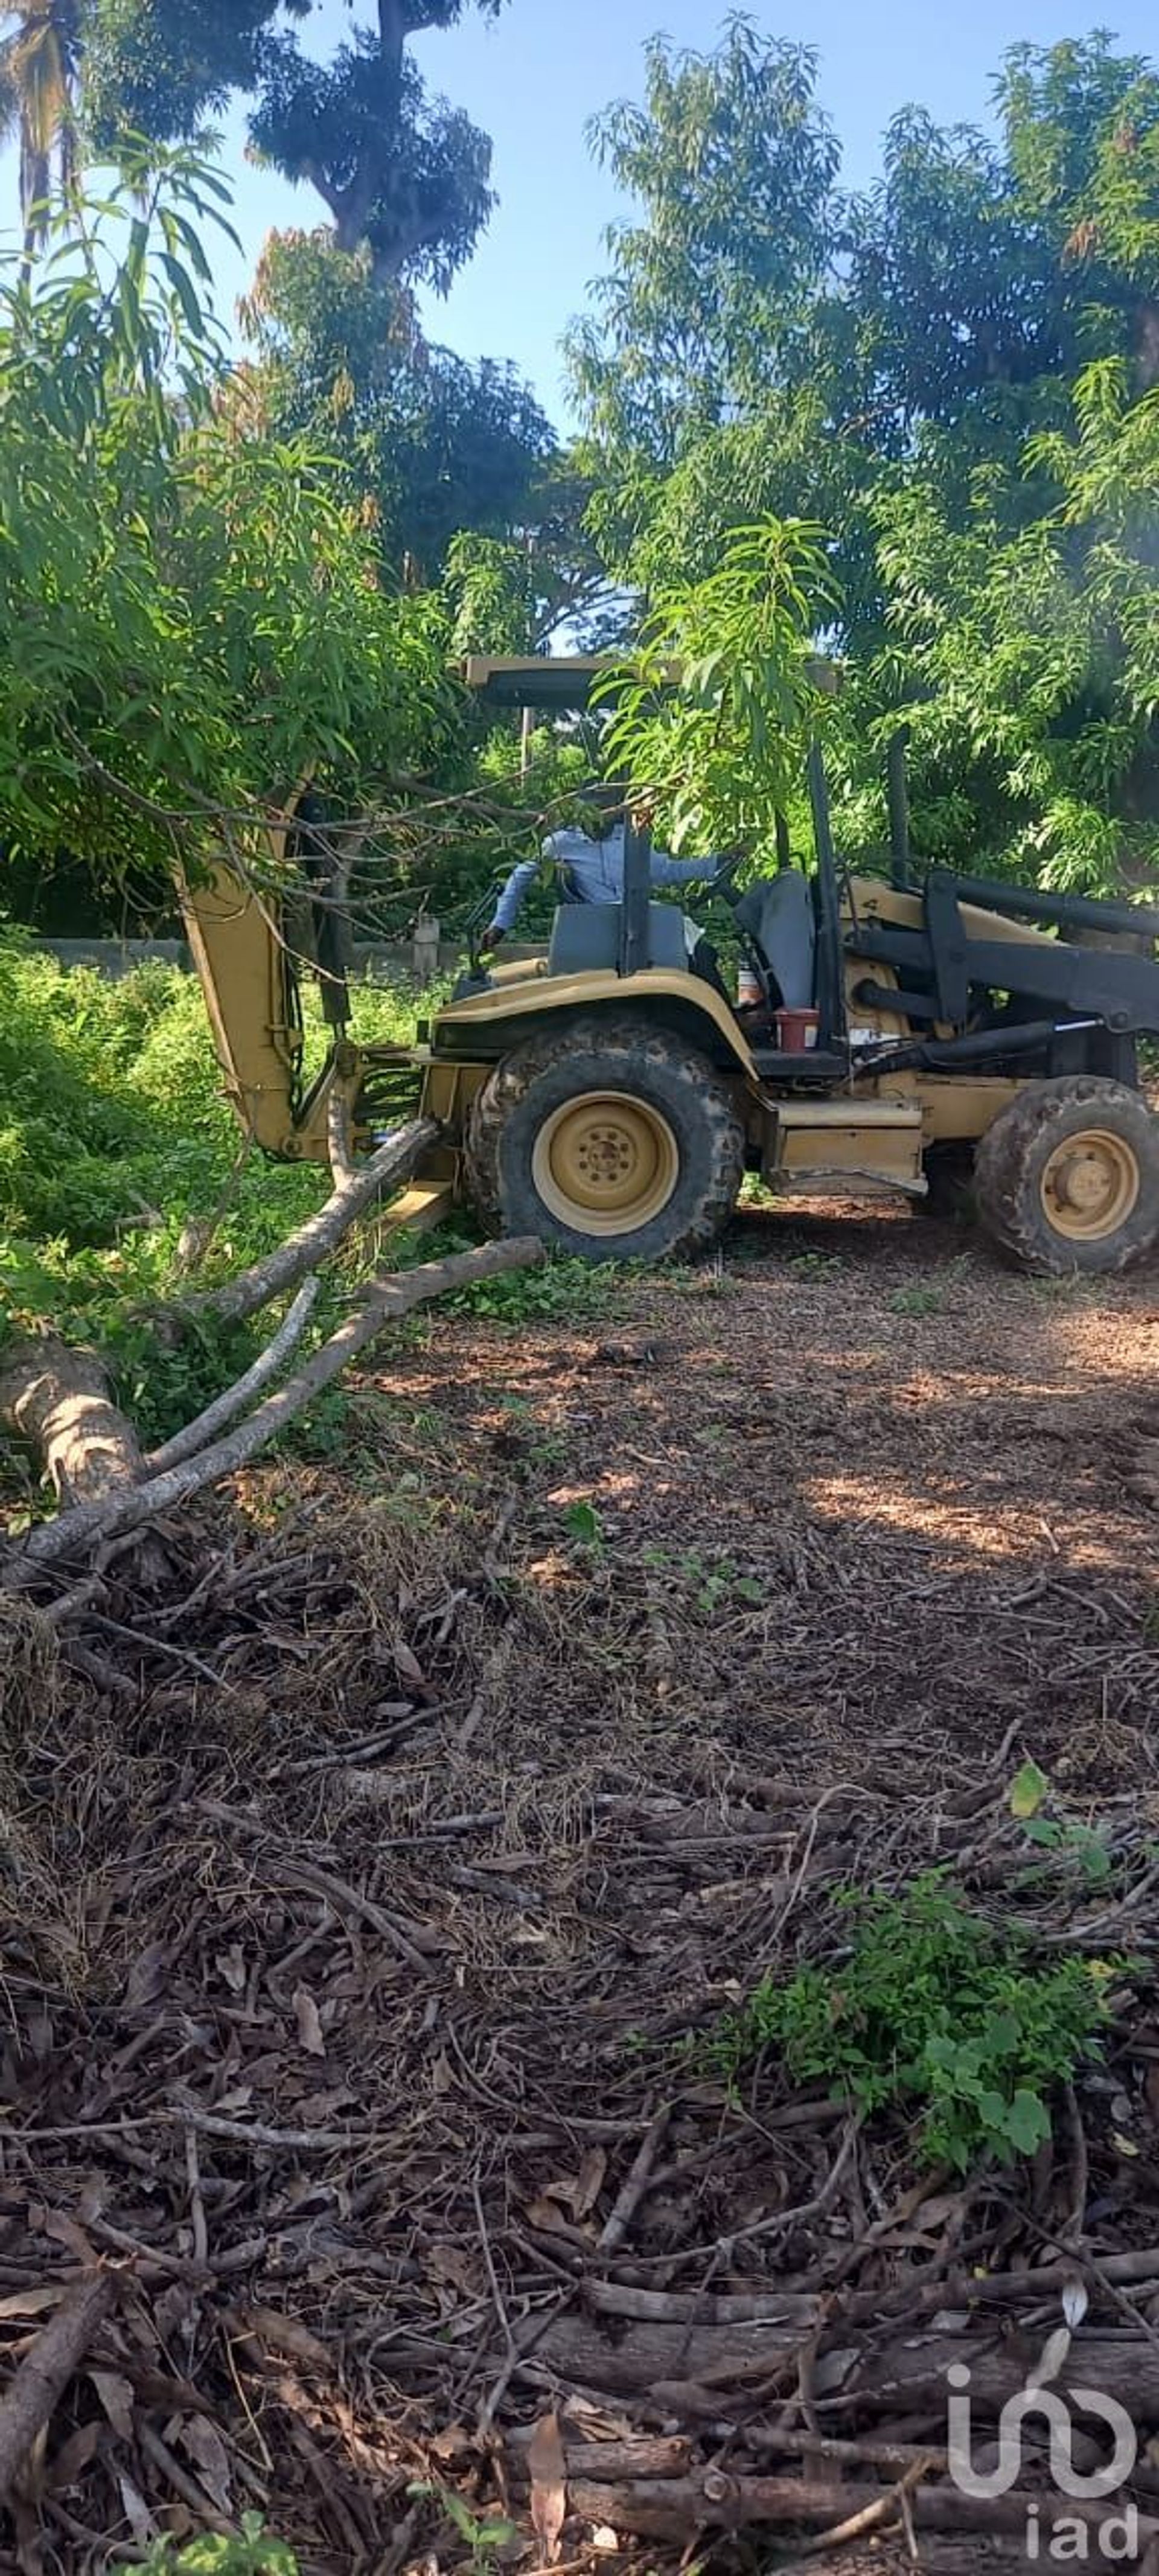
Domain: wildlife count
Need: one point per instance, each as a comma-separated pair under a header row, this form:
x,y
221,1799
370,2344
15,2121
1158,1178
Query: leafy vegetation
x,y
937,2012
190,623
114,1138
723,751
954,373
251,2551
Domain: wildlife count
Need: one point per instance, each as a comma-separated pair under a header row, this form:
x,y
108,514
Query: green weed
x,y
815,1265
113,1134
560,1289
934,2011
1087,1846
710,1581
251,2551
916,1301
482,2536
585,1525
1068,1288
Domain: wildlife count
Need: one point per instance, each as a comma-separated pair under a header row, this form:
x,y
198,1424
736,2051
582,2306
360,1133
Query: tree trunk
x,y
59,1400
679,2508
128,1506
251,1289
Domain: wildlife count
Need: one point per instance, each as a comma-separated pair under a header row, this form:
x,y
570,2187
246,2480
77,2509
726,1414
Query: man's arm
x,y
667,871
514,894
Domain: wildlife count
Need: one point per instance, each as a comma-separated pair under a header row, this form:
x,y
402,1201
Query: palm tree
x,y
39,73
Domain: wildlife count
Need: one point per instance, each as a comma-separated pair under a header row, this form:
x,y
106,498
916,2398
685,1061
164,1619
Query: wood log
x,y
647,2455
313,1242
45,2371
340,1130
724,2356
904,2377
59,1400
713,2500
128,1508
910,2374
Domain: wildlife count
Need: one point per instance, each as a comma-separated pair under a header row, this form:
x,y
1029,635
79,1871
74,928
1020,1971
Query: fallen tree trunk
x,y
305,1250
59,1400
129,1507
340,1131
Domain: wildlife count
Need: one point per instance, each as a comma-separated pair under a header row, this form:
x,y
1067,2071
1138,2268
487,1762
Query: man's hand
x,y
492,938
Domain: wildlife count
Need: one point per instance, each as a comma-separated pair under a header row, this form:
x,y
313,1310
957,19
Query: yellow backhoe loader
x,y
606,1097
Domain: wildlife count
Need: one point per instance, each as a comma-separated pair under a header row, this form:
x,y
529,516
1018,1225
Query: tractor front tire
x,y
610,1138
1067,1178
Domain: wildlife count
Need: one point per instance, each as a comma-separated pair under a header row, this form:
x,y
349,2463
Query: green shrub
x,y
934,2010
252,2551
113,1133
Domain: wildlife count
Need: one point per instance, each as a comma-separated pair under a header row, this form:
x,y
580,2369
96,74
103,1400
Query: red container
x,y
797,1030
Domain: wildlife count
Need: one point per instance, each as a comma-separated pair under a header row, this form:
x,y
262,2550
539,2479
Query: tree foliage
x,y
402,172
430,443
951,371
190,621
441,455
732,164
721,749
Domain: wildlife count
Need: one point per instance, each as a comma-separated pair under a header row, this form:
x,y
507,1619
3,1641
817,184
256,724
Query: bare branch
x,y
80,1530
318,1237
234,1399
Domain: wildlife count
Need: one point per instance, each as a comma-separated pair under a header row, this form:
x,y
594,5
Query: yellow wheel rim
x,y
605,1163
1090,1185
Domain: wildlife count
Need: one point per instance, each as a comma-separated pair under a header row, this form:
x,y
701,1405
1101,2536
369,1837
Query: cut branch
x,y
77,1531
234,1399
45,2371
340,1131
677,2508
306,1249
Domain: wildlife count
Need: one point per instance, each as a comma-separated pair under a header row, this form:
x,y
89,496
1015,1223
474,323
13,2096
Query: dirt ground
x,y
352,1947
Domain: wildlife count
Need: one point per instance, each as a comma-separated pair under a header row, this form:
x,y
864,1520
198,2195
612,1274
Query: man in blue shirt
x,y
591,870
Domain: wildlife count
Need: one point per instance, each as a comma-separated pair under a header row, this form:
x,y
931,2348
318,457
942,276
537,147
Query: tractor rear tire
x,y
1067,1178
610,1138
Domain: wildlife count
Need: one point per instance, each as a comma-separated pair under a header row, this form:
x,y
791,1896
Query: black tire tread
x,y
628,1041
1005,1181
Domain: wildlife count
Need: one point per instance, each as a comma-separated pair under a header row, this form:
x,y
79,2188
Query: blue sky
x,y
533,80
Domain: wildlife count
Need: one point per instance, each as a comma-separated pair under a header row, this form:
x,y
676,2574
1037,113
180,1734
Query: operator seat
x,y
778,916
586,936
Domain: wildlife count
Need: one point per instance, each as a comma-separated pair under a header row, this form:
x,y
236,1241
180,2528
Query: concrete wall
x,y
398,962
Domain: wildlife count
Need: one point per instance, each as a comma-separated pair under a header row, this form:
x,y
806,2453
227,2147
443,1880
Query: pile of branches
x,y
59,1399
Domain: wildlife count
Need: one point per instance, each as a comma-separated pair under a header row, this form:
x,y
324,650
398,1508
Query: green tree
x,y
400,171
190,621
39,71
721,750
432,447
431,443
908,374
711,294
1035,655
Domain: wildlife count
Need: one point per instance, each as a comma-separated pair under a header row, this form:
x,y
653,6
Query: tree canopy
x,y
191,622
952,373
398,170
